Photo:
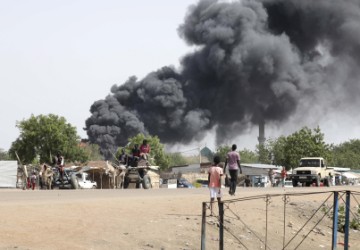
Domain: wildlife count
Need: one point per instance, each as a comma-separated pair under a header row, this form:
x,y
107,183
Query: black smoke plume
x,y
254,61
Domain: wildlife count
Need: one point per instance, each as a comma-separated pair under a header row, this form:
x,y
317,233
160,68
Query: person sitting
x,y
135,155
123,158
145,150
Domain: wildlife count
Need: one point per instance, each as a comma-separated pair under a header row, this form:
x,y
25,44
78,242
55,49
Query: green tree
x,y
4,156
248,156
157,149
264,153
222,151
93,152
347,154
303,143
278,148
274,149
42,136
176,159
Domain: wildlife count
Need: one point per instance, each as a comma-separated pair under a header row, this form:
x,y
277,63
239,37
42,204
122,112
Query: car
x,y
184,183
84,182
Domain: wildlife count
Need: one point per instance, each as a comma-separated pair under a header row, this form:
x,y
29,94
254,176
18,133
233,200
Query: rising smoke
x,y
254,61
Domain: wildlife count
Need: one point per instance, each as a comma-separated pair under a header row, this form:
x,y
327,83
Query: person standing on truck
x,y
59,161
233,159
214,178
283,176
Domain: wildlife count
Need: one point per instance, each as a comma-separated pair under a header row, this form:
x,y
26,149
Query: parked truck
x,y
312,170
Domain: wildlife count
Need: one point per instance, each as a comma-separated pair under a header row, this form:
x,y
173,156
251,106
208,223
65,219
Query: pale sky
x,y
60,56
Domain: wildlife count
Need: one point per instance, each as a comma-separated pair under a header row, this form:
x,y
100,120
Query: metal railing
x,y
282,221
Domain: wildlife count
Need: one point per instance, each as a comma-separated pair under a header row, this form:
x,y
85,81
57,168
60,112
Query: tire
x,y
126,182
295,183
146,182
74,182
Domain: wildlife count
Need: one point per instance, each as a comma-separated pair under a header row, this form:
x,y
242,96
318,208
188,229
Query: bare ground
x,y
157,219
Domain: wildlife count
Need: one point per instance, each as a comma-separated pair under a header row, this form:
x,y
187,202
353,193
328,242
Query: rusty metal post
x,y
203,226
221,225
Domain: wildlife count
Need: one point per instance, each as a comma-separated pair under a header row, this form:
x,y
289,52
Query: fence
x,y
311,220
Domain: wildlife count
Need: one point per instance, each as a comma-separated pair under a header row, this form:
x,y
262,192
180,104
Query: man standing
x,y
60,163
33,180
272,177
283,176
233,159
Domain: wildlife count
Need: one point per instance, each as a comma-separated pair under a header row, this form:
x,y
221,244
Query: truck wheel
x,y
126,182
295,183
146,182
317,181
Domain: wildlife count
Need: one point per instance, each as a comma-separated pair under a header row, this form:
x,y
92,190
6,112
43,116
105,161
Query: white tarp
x,y
8,174
350,175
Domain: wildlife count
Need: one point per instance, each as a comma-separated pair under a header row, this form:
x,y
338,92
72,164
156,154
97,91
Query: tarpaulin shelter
x,y
8,174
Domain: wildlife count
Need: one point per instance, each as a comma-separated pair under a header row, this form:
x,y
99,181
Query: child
x,y
33,180
214,178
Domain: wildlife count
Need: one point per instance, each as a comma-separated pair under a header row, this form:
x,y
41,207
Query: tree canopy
x,y
157,149
41,137
221,151
287,151
4,155
347,154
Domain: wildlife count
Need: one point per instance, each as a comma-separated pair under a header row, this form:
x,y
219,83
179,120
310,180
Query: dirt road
x,y
111,219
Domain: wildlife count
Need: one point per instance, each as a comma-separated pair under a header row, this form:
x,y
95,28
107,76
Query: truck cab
x,y
312,170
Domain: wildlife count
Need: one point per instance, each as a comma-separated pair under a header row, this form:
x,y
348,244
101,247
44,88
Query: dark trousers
x,y
233,179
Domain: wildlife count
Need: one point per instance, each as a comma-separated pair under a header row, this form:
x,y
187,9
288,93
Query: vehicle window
x,y
310,163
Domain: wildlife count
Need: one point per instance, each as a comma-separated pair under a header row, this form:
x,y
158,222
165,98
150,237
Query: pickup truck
x,y
312,170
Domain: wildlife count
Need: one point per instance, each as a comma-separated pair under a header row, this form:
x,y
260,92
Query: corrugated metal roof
x,y
259,165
